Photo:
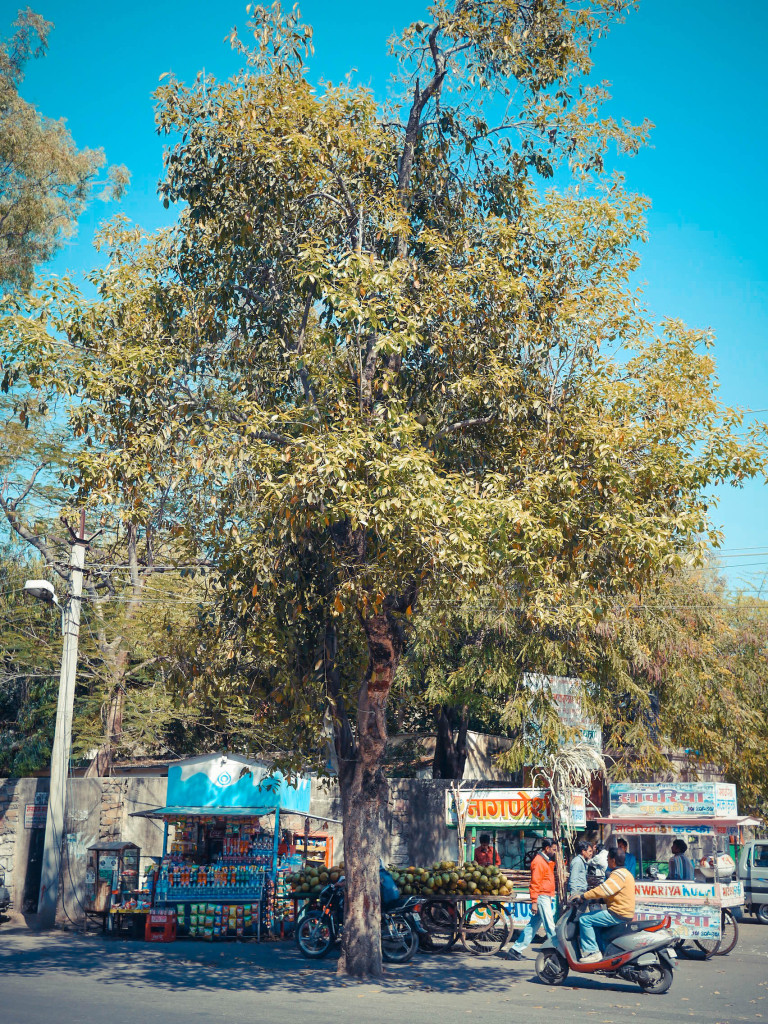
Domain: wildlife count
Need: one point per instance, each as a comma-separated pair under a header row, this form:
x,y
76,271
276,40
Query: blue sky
x,y
696,68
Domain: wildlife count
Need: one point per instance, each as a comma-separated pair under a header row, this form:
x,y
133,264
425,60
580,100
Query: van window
x,y
760,856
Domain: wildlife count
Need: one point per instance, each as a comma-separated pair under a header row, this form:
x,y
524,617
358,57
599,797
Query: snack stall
x,y
112,884
221,830
705,815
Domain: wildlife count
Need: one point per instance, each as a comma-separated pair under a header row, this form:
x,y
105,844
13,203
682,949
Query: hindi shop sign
x,y
35,815
672,799
511,808
691,922
633,828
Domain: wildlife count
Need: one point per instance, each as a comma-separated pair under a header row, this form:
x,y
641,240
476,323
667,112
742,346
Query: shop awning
x,y
226,812
662,821
205,812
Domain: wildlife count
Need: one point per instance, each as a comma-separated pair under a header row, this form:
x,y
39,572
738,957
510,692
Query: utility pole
x,y
62,740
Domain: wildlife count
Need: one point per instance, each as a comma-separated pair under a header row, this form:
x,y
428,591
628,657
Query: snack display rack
x,y
220,844
112,880
214,875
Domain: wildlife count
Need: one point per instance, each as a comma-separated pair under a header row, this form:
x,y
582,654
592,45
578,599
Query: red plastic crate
x,y
161,926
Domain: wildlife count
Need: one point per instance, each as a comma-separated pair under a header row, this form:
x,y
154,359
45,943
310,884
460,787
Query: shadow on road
x,y
187,965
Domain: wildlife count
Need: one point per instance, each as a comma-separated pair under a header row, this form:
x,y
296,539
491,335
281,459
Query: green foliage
x,y
376,370
360,388
138,611
694,661
29,668
45,181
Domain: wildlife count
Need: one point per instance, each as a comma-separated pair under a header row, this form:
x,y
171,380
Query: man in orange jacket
x,y
542,899
485,854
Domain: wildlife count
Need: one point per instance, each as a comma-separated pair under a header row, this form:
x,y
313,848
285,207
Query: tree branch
x,y
453,427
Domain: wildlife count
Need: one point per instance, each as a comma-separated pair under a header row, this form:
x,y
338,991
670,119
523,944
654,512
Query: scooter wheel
x,y
551,968
657,980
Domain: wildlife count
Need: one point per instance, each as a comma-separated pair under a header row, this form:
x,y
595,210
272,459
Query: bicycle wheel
x,y
441,921
484,930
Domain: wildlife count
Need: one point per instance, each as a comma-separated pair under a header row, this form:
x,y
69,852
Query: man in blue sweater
x,y
630,860
577,879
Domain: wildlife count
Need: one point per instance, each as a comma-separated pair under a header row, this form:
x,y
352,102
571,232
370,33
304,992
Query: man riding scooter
x,y
618,891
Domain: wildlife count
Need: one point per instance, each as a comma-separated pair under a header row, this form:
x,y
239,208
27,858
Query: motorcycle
x,y
320,927
637,951
5,896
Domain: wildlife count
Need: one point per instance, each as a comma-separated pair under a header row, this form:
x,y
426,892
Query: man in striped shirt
x,y
618,891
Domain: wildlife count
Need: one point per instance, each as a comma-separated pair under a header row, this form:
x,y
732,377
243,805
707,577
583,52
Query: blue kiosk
x,y
221,831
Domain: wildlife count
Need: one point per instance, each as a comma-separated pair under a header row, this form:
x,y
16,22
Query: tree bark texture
x,y
363,787
450,753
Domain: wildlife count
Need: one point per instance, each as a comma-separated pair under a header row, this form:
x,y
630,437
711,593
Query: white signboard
x,y
726,895
566,694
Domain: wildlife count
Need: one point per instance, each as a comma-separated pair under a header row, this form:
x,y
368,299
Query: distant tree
x,y
139,608
45,181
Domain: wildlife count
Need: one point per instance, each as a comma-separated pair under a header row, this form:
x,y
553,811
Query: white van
x,y
753,872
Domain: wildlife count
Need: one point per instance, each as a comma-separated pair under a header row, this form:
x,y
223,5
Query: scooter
x,y
638,951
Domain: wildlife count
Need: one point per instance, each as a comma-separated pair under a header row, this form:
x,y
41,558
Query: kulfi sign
x,y
512,808
672,799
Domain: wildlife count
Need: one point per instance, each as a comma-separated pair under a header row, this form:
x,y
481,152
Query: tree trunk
x,y
101,765
450,754
363,795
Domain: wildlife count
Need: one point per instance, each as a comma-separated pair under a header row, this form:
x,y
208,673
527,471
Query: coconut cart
x,y
481,906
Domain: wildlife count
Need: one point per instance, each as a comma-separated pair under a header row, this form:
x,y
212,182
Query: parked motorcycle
x,y
637,951
320,927
5,896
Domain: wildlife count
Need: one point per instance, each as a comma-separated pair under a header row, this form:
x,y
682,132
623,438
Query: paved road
x,y
62,978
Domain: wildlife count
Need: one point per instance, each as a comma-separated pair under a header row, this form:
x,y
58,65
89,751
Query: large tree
x,y
45,181
374,366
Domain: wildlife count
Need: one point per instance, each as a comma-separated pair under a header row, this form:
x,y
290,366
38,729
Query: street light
x,y
62,737
42,590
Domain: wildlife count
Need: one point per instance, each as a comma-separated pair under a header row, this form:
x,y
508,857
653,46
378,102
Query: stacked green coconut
x,y
445,878
313,877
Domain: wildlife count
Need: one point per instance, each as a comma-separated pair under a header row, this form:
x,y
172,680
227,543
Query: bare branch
x,y
452,427
13,505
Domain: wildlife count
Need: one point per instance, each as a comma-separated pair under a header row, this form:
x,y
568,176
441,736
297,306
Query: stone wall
x,y
15,839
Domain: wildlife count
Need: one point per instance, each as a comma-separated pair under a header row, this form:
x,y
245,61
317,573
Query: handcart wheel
x,y
730,932
729,936
441,920
709,947
484,930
